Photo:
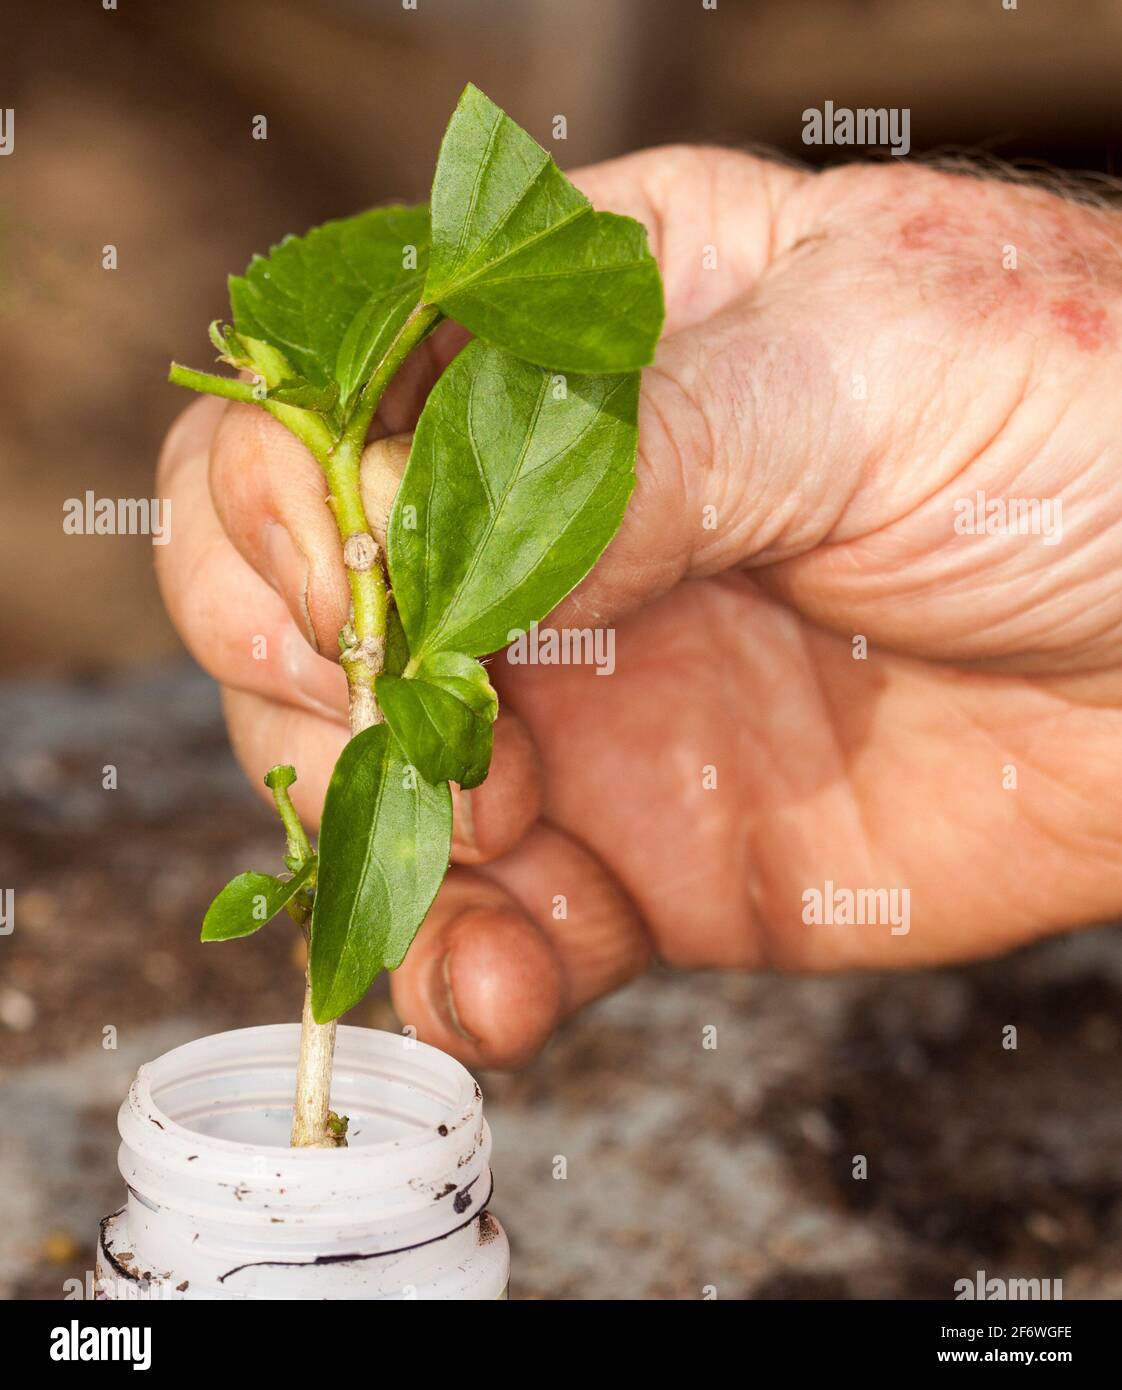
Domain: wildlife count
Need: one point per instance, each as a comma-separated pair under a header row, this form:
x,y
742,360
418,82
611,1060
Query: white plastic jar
x,y
219,1207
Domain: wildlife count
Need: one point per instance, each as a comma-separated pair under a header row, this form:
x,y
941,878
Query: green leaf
x,y
249,901
332,301
322,399
383,851
462,677
509,496
520,257
442,716
251,354
397,648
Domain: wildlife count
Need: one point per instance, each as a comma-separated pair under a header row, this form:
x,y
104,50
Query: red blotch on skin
x,y
1085,324
923,230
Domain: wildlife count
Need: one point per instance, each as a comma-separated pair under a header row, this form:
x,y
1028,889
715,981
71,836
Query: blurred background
x,y
687,1168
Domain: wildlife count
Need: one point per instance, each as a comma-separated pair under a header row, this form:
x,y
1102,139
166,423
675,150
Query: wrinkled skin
x,y
859,358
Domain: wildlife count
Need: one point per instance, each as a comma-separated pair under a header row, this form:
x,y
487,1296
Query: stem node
x,y
360,552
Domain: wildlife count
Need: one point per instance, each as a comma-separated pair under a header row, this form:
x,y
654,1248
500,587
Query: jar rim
x,y
159,1074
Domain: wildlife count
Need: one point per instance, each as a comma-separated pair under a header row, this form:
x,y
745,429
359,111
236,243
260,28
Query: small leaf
x,y
249,901
383,851
515,491
463,677
520,257
397,648
323,399
332,301
251,355
442,716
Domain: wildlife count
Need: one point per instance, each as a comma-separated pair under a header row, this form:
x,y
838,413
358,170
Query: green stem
x,y
278,780
228,387
412,332
365,636
369,595
306,425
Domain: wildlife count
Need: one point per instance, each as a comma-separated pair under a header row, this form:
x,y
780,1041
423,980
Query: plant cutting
x,y
518,475
519,472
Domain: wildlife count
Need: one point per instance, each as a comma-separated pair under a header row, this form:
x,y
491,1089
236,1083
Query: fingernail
x,y
446,999
321,683
287,571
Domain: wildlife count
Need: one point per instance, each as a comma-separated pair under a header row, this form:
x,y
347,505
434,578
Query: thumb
x,y
269,494
730,465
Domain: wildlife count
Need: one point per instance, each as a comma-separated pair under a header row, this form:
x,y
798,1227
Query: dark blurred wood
x,y
1043,81
133,127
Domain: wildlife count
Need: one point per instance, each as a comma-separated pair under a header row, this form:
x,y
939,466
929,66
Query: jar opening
x,y
238,1088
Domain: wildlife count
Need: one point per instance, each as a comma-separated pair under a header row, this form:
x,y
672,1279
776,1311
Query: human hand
x,y
860,362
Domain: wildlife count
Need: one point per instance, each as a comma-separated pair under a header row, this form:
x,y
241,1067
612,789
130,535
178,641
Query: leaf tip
x,y
208,931
325,1010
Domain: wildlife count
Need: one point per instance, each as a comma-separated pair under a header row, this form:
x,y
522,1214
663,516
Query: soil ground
x,y
686,1166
